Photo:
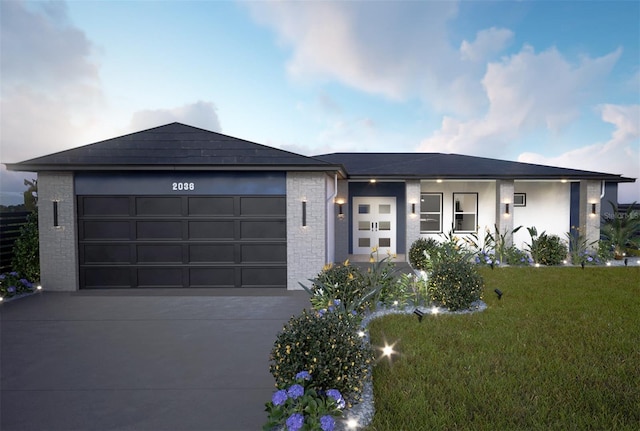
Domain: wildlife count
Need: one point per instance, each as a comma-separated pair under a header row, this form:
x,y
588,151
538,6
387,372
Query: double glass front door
x,y
374,225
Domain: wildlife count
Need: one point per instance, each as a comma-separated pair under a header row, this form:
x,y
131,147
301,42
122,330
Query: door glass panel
x,y
384,242
364,225
363,209
385,225
384,209
364,242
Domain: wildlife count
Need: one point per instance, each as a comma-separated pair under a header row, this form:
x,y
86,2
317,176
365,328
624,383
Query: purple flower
x,y
13,273
303,375
336,302
337,396
327,423
2,276
321,312
26,283
295,391
11,289
295,422
279,397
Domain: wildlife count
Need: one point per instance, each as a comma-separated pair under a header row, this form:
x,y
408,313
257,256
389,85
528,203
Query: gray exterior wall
x,y
589,222
305,244
504,222
342,223
413,220
58,244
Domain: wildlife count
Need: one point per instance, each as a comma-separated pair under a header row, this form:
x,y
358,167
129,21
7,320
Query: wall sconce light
x,y
304,213
55,214
506,208
413,208
340,203
593,209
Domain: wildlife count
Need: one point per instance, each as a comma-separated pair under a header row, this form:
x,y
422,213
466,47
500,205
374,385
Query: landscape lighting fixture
x,y
418,313
626,261
499,293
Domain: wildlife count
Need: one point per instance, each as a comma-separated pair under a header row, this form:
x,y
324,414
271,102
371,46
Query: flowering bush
x,y
12,284
328,346
455,284
487,258
301,407
517,257
344,282
420,251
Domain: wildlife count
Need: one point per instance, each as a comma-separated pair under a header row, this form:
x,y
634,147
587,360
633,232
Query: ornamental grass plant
x,y
560,350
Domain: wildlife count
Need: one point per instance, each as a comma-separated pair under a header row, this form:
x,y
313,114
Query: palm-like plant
x,y
622,230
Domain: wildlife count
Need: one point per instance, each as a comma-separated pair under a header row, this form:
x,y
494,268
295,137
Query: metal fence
x,y
10,224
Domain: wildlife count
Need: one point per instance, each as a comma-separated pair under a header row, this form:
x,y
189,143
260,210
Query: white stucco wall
x,y
548,209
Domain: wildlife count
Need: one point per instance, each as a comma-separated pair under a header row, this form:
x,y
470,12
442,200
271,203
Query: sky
x,y
547,82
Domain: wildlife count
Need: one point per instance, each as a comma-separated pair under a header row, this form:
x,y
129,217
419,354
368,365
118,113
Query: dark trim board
x,y
182,241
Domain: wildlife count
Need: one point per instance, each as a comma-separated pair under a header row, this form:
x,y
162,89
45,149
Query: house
x,y
177,206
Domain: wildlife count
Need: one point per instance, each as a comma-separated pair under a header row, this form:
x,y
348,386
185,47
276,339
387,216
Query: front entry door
x,y
374,225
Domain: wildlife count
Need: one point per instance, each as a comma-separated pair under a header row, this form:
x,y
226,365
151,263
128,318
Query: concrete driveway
x,y
140,360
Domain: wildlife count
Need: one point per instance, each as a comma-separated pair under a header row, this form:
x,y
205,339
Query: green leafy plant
x,y
344,282
409,290
455,284
581,250
419,253
546,249
517,257
621,230
12,284
26,257
301,407
328,346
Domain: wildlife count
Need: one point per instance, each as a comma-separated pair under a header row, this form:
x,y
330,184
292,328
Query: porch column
x,y
413,220
342,221
504,200
589,216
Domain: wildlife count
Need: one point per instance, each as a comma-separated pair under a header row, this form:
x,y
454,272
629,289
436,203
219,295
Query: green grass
x,y
560,351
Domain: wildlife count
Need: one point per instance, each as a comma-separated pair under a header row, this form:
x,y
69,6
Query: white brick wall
x,y
504,194
305,244
58,245
590,223
413,220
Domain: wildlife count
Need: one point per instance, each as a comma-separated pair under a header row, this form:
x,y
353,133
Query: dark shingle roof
x,y
451,166
173,146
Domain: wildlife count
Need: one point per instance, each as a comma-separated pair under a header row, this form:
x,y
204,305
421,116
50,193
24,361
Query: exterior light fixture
x,y
626,261
372,180
593,209
506,208
413,208
418,313
304,213
340,203
55,214
499,293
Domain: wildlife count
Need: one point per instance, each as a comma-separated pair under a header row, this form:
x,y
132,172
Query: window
x,y
431,213
465,212
519,199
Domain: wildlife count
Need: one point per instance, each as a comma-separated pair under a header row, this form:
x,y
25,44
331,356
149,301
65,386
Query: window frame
x,y
440,213
524,200
456,212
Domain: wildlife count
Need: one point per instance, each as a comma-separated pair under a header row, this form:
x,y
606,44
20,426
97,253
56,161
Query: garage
x,y
185,239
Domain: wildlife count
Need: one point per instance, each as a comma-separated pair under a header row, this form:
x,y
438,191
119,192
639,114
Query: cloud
x,y
526,91
619,155
199,114
50,86
488,43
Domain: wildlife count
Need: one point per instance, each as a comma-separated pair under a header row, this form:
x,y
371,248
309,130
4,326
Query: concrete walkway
x,y
151,360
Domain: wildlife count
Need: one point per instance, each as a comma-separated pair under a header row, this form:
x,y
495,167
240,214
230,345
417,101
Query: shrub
x,y
420,251
26,257
12,284
455,284
546,249
409,290
517,257
328,346
342,281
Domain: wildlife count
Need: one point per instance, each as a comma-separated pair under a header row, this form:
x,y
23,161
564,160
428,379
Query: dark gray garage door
x,y
182,241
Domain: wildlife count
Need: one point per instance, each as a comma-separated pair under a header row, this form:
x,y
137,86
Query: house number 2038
x,y
183,186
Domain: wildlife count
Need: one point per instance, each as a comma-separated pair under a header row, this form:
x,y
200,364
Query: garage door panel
x,y
159,206
160,277
263,229
252,253
212,206
150,230
264,277
212,277
212,253
106,253
159,253
106,277
105,206
212,229
105,229
261,206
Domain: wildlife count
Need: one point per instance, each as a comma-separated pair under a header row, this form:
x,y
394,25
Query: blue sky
x,y
555,83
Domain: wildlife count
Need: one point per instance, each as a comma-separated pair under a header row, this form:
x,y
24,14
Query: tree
x,y
31,195
622,230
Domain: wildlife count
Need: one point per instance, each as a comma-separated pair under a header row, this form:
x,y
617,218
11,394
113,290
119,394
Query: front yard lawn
x,y
560,350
